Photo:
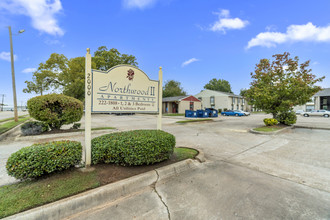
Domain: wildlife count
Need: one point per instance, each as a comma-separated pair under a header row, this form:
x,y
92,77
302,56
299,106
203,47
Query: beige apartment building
x,y
222,100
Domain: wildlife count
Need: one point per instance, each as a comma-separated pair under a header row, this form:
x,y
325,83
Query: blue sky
x,y
193,40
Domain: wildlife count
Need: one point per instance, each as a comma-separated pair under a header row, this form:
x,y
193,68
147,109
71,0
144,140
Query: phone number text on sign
x,y
126,103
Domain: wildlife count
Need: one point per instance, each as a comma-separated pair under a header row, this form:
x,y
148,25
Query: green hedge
x,y
41,159
55,109
270,121
287,118
133,147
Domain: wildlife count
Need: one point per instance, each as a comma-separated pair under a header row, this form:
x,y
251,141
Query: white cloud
x,y
29,70
226,23
294,33
41,12
141,4
6,56
185,63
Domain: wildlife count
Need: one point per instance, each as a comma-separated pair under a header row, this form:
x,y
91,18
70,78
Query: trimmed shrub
x,y
55,109
270,121
33,128
287,118
133,147
76,126
219,110
225,109
40,159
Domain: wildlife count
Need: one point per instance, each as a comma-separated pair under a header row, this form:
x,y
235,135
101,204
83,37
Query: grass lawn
x,y
102,128
9,119
194,120
25,195
11,124
182,153
269,128
173,114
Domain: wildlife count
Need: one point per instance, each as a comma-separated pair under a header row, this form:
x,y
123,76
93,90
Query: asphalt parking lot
x,y
247,173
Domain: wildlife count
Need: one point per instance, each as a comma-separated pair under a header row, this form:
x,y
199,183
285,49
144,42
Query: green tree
x,y
104,59
173,88
218,85
242,92
279,85
48,75
74,81
58,72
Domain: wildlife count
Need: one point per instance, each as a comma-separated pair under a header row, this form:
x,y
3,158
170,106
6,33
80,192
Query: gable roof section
x,y
324,92
181,98
208,92
191,99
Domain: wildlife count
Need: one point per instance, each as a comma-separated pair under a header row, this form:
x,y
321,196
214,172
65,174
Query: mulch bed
x,y
110,173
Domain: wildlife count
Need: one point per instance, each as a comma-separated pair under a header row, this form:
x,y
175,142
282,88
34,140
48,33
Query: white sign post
x,y
121,89
87,152
160,95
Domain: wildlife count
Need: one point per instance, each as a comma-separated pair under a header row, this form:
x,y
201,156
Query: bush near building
x,y
33,128
133,147
287,118
270,121
40,159
55,109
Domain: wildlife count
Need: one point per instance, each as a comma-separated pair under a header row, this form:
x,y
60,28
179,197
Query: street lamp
x,y
13,71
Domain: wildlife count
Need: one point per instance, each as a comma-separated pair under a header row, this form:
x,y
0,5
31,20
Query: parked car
x,y
323,113
299,112
232,113
245,113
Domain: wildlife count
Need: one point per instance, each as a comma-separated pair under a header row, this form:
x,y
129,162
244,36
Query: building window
x,y
192,106
237,107
233,100
243,101
212,100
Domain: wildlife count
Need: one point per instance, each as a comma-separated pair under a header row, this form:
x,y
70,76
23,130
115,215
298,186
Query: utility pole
x,y
13,74
3,96
13,71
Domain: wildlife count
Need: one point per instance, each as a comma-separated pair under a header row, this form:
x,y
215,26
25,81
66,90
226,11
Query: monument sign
x,y
121,89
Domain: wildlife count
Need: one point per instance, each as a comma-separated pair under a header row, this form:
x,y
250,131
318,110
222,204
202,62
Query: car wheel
x,y
306,115
326,116
236,115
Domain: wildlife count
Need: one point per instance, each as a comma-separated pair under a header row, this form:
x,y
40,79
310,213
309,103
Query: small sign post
x,y
121,89
160,99
87,152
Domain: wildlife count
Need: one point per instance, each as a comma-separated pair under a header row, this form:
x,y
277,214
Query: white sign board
x,y
124,88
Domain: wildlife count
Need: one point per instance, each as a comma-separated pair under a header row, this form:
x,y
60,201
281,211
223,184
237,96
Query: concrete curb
x,y
11,131
307,127
271,133
62,135
105,194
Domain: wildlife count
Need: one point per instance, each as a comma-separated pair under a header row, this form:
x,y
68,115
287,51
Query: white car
x,y
299,112
245,113
323,113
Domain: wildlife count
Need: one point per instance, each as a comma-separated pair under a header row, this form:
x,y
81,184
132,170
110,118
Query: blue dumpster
x,y
190,114
212,112
201,114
